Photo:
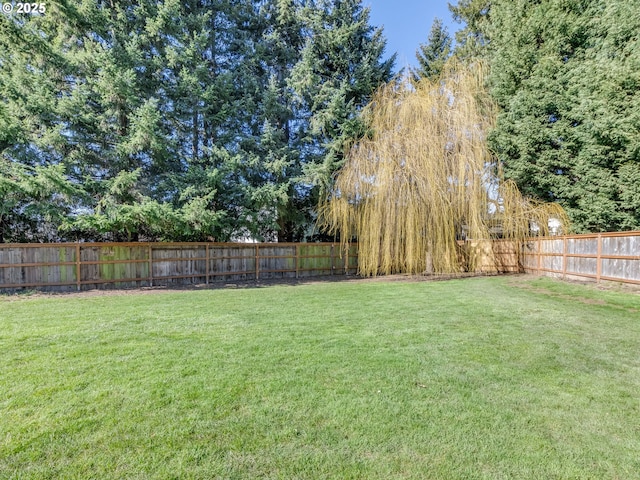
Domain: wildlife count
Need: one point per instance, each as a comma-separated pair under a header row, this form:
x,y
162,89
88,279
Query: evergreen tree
x,y
341,67
273,142
320,63
194,120
433,55
137,92
565,74
34,80
202,45
35,201
473,38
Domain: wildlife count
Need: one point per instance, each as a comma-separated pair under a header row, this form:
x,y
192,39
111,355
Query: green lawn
x,y
492,378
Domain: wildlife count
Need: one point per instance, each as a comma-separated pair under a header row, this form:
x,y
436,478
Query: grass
x,y
489,378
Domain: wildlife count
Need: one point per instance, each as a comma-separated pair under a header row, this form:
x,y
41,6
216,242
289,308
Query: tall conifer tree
x,y
566,76
433,55
342,65
215,116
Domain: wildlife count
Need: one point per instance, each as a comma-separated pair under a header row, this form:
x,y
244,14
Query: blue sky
x,y
407,23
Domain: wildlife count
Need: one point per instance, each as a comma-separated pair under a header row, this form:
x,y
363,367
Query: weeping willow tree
x,y
424,179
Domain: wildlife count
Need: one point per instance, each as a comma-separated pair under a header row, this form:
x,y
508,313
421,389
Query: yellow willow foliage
x,y
425,178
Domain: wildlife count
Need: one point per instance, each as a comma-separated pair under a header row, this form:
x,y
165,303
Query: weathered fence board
x,y
84,266
604,256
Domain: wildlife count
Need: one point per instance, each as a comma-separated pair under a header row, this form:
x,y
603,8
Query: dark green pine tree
x,y
193,120
112,119
118,132
342,65
271,147
113,106
432,55
199,47
473,38
36,194
565,75
317,63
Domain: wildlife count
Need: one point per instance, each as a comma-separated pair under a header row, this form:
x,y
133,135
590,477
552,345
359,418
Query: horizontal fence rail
x,y
85,266
601,256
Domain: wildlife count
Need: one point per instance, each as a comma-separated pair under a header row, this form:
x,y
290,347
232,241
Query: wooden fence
x,y
84,266
603,256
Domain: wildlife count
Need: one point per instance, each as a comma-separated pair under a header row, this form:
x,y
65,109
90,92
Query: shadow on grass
x,y
110,289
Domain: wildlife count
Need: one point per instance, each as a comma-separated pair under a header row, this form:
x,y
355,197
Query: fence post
x,y
297,259
78,270
599,259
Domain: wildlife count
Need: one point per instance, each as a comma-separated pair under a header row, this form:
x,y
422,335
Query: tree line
x,y
179,119
566,77
220,120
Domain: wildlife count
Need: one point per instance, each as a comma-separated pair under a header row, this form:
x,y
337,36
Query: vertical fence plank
x,y
599,259
332,260
257,262
78,269
346,261
564,258
539,259
297,259
206,268
150,253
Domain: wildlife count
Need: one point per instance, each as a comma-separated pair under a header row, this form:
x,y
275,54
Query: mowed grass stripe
x,y
478,378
